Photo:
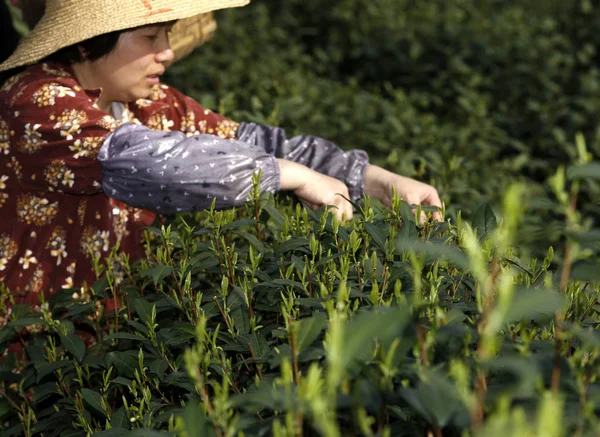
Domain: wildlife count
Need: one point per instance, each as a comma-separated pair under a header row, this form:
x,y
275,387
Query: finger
x,y
433,199
348,211
422,218
308,204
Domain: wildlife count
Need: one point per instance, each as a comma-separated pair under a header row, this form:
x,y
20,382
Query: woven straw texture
x,y
190,33
67,22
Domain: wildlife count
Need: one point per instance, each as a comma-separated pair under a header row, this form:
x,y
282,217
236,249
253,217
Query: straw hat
x,y
67,22
190,33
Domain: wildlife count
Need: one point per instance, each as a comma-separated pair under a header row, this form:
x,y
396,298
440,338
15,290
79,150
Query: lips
x,y
157,74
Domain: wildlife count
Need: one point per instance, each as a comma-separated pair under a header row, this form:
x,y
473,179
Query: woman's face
x,y
129,72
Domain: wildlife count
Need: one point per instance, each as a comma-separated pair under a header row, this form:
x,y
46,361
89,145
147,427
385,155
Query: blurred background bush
x,y
469,95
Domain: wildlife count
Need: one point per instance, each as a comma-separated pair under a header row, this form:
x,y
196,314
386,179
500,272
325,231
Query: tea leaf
x,y
116,431
533,304
484,220
94,400
275,215
243,223
143,310
158,273
74,345
590,170
259,344
435,399
308,331
239,311
300,244
258,245
119,419
194,422
360,334
125,362
585,271
377,233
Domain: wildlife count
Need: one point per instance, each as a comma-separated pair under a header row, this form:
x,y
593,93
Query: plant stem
x,y
256,364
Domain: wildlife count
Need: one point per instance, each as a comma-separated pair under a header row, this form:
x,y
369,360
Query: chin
x,y
135,96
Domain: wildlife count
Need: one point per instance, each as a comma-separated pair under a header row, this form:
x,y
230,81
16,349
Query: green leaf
x,y
159,367
194,422
126,336
484,220
590,170
293,244
205,264
143,309
158,273
116,431
119,380
275,215
238,309
255,242
408,232
593,235
377,234
119,419
585,271
360,334
43,391
436,400
45,369
55,424
242,223
534,304
149,433
74,345
521,375
125,362
288,282
436,251
589,337
7,334
25,322
308,331
259,344
181,379
94,400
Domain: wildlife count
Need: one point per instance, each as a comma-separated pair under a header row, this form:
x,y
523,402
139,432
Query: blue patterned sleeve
x,y
316,153
167,172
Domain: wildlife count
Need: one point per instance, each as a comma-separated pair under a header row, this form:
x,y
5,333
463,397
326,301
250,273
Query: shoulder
x,y
41,86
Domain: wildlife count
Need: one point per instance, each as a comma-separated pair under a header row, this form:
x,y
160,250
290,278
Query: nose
x,y
165,53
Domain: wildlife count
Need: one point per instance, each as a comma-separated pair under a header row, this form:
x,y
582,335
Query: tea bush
x,y
276,320
470,95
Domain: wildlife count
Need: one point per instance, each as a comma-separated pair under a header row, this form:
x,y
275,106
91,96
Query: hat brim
x,y
65,26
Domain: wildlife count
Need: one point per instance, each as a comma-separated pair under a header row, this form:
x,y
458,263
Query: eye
x,y
152,37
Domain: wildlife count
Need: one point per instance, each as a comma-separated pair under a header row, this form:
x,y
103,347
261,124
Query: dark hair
x,y
90,49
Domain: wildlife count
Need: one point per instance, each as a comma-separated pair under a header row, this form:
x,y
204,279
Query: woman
x,y
93,145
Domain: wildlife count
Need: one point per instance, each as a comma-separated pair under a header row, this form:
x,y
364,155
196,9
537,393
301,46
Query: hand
x,y
379,183
315,189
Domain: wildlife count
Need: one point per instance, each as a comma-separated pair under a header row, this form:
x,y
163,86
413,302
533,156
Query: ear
x,y
82,52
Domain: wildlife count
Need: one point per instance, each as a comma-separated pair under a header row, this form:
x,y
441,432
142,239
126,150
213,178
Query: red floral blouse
x,y
50,180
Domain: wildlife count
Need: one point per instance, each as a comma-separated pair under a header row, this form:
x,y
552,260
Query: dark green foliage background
x,y
262,320
468,95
